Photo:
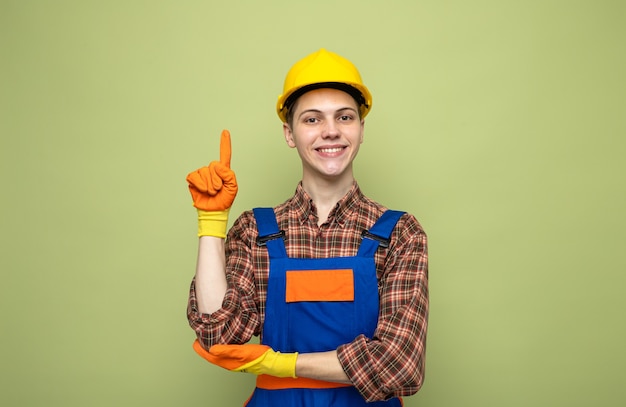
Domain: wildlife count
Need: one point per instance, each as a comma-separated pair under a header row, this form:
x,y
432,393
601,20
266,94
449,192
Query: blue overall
x,y
304,314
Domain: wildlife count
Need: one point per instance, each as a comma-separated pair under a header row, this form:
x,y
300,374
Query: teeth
x,y
330,150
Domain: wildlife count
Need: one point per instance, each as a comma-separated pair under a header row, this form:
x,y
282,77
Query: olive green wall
x,y
499,124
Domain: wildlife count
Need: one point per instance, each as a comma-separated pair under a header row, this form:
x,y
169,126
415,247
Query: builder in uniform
x,y
335,284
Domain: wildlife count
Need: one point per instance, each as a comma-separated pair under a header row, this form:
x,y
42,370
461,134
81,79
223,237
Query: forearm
x,y
321,366
210,274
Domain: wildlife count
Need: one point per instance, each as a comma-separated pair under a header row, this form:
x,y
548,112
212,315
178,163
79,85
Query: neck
x,y
326,193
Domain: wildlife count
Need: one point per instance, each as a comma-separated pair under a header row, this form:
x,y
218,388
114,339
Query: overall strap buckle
x,y
262,240
270,235
382,242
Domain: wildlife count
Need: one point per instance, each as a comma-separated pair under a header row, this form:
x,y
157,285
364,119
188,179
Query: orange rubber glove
x,y
250,358
213,189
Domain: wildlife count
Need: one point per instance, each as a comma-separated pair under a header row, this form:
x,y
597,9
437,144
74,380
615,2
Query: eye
x,y
311,120
345,118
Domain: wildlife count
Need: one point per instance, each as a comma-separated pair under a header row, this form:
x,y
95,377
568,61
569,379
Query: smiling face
x,y
327,131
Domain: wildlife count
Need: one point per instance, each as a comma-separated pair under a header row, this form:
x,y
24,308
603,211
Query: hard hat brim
x,y
360,93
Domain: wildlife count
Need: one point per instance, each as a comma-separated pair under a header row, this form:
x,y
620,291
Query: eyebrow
x,y
341,109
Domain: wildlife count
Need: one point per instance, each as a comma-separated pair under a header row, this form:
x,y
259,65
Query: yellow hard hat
x,y
323,69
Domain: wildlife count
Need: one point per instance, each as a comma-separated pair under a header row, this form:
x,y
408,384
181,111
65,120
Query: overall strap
x,y
269,234
379,234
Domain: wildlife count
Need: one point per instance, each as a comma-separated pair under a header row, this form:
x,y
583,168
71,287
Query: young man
x,y
334,283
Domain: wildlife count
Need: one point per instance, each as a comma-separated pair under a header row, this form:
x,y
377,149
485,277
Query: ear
x,y
288,135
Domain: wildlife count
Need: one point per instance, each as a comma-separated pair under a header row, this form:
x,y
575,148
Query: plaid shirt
x,y
390,364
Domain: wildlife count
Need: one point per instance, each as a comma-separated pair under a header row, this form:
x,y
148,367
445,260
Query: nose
x,y
330,130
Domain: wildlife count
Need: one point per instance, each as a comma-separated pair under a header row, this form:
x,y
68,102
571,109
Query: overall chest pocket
x,y
319,285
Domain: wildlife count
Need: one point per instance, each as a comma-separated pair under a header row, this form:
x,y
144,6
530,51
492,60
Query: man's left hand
x,y
250,358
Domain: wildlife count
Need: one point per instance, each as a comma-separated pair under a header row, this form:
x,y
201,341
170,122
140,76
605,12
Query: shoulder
x,y
244,229
376,209
407,228
245,225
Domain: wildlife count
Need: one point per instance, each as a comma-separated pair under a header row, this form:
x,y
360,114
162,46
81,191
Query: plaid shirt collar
x,y
305,210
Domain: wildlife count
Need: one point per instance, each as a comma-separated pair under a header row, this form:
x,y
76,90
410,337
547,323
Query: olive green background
x,y
499,124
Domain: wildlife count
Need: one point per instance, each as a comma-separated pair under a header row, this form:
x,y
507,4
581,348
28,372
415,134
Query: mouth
x,y
330,150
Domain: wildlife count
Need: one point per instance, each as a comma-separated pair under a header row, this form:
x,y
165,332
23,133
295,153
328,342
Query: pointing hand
x,y
214,187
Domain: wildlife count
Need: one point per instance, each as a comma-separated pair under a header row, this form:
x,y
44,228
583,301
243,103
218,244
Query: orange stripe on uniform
x,y
320,285
278,383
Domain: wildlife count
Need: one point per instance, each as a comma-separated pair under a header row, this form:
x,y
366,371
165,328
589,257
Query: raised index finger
x,y
225,149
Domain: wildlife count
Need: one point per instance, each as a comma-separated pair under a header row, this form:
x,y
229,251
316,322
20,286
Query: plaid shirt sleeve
x,y
239,318
391,364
